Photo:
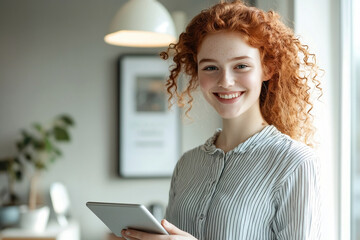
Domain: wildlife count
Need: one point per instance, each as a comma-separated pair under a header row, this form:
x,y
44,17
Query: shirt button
x,y
202,216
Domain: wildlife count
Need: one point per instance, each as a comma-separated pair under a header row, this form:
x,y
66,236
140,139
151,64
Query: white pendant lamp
x,y
142,23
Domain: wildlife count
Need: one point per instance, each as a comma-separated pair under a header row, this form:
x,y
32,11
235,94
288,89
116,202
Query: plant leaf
x,y
17,160
40,165
24,133
28,157
67,120
39,145
19,146
48,145
4,165
26,140
18,175
61,134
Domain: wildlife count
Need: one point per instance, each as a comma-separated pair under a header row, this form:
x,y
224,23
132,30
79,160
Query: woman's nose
x,y
226,80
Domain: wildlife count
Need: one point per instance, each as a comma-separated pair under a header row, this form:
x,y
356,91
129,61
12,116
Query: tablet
x,y
119,216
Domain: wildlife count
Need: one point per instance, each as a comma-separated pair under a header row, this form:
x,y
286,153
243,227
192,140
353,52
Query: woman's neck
x,y
238,130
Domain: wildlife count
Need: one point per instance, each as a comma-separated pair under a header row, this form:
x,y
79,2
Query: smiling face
x,y
230,75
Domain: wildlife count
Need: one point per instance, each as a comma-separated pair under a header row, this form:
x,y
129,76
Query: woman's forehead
x,y
225,45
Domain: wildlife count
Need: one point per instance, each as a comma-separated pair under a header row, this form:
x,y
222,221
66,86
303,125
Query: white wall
x,y
284,7
53,60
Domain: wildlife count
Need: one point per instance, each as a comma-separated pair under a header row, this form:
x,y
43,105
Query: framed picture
x,y
149,141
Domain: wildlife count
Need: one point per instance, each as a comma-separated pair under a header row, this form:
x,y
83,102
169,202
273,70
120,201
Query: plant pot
x,y
34,220
9,216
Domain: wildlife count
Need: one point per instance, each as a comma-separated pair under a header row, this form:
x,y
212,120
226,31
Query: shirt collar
x,y
266,132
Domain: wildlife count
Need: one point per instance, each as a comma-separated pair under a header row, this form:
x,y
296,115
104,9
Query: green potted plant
x,y
37,149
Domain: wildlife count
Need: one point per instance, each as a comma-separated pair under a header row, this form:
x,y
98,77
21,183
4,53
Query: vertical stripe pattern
x,y
265,188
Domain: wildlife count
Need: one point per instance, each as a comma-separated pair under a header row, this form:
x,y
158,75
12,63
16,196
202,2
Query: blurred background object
x,y
60,202
142,23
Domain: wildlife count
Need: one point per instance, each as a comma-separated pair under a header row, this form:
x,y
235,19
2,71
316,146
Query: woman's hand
x,y
174,233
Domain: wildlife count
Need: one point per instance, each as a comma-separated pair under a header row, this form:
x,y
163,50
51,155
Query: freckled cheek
x,y
246,82
205,83
250,82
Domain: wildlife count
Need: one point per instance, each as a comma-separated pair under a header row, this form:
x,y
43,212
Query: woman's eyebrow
x,y
232,59
240,58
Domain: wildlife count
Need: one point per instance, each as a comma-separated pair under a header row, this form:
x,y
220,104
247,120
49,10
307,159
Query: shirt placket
x,y
212,182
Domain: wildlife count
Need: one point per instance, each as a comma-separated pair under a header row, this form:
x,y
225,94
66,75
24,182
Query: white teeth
x,y
229,96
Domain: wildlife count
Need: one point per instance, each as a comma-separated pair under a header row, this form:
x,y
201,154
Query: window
x,y
350,129
355,119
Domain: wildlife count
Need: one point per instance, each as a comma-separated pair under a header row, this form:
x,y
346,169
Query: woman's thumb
x,y
171,229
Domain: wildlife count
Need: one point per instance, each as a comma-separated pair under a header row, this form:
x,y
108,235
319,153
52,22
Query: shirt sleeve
x,y
297,204
169,208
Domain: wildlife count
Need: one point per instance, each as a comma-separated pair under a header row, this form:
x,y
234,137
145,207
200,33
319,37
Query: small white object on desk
x,y
53,232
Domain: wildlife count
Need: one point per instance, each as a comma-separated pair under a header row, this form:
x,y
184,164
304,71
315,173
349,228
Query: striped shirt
x,y
265,188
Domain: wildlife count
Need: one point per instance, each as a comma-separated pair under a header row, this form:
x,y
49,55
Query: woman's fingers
x,y
122,238
126,235
138,235
174,233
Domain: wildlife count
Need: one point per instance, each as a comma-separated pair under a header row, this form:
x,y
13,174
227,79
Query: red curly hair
x,y
285,99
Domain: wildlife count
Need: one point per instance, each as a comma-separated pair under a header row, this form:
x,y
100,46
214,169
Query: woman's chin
x,y
228,115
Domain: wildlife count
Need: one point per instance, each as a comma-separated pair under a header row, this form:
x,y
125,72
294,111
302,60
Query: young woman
x,y
256,178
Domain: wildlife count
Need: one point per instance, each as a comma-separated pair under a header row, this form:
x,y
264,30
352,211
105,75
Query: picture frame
x,y
149,141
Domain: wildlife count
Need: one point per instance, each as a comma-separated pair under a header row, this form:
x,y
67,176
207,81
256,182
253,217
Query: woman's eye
x,y
210,68
241,66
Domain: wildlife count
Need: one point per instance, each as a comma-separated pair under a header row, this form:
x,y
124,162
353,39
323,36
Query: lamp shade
x,y
142,23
